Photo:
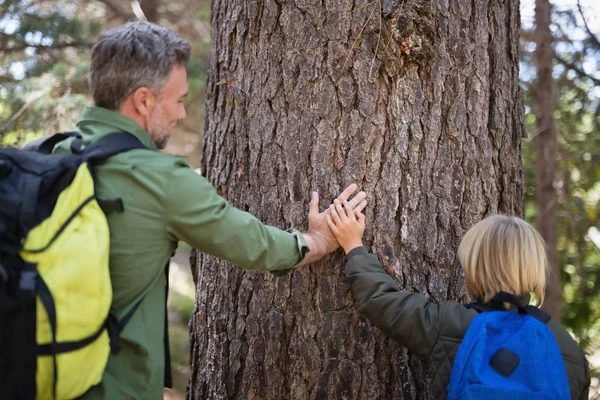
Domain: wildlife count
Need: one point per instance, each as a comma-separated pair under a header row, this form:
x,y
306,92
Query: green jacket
x,y
435,331
164,201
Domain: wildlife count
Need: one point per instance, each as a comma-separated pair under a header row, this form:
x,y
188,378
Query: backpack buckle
x,y
27,281
77,145
109,206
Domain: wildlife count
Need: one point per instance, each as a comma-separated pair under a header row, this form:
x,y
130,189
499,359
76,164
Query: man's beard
x,y
158,129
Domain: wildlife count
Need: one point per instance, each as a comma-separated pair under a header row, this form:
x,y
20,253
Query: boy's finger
x,y
339,209
349,211
334,215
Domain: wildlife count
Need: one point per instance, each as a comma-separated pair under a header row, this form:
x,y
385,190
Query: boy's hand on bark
x,y
347,224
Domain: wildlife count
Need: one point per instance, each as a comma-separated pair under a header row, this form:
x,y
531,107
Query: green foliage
x,y
181,305
19,138
43,72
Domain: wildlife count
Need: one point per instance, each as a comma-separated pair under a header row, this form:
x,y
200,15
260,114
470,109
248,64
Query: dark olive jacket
x,y
435,331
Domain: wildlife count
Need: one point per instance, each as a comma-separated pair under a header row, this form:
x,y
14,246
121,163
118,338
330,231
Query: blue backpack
x,y
508,356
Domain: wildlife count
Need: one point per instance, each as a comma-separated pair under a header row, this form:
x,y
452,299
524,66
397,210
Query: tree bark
x,y
546,146
426,116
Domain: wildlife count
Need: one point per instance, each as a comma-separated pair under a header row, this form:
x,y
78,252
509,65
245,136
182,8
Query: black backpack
x,y
55,290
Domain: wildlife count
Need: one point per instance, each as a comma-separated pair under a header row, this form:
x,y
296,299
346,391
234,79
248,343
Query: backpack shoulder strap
x,y
504,297
108,146
478,307
46,144
538,314
111,145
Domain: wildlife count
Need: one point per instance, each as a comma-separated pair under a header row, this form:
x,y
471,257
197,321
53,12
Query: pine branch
x,y
22,46
25,106
527,35
577,70
592,36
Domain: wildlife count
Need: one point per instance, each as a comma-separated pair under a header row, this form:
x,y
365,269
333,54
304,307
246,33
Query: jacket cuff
x,y
302,250
301,243
357,251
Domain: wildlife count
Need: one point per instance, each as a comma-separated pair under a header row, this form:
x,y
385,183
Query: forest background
x,y
44,61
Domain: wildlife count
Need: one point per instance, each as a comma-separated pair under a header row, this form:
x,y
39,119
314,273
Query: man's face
x,y
169,107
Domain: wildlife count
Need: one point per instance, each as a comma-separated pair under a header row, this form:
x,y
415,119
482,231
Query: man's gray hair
x,y
134,55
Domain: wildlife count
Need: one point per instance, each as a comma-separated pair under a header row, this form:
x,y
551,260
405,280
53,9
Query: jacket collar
x,y
96,122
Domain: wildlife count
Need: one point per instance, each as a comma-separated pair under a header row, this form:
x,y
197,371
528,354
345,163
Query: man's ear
x,y
143,100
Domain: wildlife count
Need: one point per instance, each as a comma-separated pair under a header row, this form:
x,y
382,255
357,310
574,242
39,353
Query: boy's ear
x,y
143,100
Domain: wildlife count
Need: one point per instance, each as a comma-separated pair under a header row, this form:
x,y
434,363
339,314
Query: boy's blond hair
x,y
503,253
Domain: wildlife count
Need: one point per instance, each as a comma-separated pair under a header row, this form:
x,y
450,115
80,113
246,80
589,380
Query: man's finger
x,y
349,211
313,209
361,206
345,195
340,210
334,215
332,226
360,216
356,200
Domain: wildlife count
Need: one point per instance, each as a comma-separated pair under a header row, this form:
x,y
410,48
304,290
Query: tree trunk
x,y
546,145
150,9
426,116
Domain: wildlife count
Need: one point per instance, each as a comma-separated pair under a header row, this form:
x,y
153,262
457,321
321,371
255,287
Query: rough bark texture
x,y
426,116
546,146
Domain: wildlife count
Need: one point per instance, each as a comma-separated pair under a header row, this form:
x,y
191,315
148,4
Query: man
x,y
138,82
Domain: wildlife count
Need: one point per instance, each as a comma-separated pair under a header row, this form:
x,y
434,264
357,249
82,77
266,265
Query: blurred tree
x,y
150,9
578,116
120,10
546,151
577,179
418,102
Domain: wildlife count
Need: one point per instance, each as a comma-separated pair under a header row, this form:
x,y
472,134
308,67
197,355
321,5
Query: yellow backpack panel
x,y
82,296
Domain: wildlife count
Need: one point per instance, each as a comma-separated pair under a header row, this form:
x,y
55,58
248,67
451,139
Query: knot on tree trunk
x,y
412,27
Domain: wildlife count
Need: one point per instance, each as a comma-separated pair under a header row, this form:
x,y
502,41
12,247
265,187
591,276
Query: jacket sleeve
x,y
587,382
196,214
406,317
